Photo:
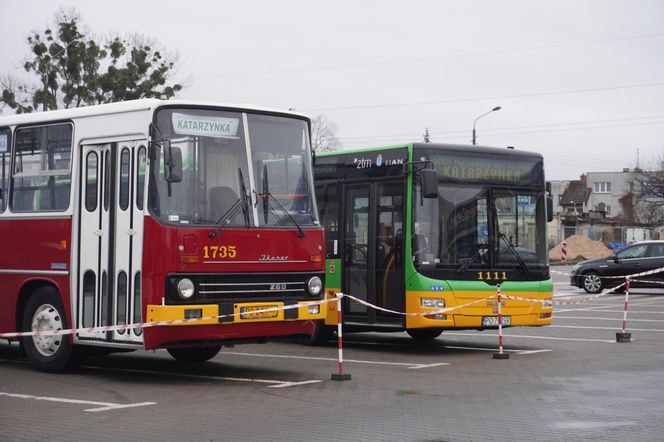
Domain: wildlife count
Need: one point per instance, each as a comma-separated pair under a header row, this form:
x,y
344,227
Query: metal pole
x,y
340,376
624,336
500,354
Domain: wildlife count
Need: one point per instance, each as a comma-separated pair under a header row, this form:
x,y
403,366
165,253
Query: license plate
x,y
254,312
492,321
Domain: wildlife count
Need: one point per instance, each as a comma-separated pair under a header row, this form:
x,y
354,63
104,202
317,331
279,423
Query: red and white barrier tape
x,y
635,275
550,303
107,328
323,301
429,313
648,282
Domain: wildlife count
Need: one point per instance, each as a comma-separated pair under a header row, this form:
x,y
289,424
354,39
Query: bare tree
x,y
649,193
324,134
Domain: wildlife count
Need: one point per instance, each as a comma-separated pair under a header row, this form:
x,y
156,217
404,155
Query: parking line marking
x,y
102,406
606,328
357,361
118,406
277,384
553,338
513,350
530,352
418,366
593,318
291,384
631,310
392,344
604,306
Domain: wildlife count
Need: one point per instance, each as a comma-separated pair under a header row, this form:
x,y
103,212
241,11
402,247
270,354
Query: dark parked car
x,y
640,257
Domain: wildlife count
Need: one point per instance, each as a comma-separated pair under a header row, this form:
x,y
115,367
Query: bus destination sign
x,y
452,166
218,127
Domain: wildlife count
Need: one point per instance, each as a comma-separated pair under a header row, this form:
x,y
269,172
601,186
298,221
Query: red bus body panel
x,y
175,249
42,247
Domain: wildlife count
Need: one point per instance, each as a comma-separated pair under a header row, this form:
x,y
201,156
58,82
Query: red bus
x,y
154,210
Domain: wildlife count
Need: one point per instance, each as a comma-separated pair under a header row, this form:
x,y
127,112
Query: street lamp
x,y
45,98
497,108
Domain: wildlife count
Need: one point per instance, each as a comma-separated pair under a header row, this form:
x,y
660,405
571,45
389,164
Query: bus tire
x,y
320,336
52,354
424,334
194,355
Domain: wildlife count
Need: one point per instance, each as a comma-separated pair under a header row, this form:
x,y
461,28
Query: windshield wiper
x,y
481,251
266,196
239,204
522,264
226,218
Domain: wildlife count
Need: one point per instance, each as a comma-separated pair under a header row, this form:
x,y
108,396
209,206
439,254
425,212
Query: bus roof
x,y
440,146
143,104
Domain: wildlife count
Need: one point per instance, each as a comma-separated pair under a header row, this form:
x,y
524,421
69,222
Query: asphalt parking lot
x,y
570,381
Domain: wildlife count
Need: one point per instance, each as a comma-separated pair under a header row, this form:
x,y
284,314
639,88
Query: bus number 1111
x,y
487,276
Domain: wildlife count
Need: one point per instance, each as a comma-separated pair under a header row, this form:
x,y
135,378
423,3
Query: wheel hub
x,y
592,282
47,318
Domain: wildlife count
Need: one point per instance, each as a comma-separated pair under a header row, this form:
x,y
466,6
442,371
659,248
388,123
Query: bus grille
x,y
243,287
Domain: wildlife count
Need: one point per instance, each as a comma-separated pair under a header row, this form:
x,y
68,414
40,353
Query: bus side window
x,y
5,156
42,168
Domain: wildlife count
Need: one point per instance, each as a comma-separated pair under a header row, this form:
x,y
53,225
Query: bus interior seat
x,y
221,199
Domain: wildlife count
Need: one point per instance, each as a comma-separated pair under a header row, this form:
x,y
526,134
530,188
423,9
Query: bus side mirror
x,y
429,182
549,201
172,163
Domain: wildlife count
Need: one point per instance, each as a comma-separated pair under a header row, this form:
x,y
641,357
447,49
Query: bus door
x,y
111,239
373,252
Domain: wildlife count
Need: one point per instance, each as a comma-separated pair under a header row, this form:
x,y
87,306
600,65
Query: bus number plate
x,y
255,312
492,321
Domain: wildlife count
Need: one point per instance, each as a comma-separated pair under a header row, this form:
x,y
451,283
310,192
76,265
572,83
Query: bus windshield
x,y
259,163
481,223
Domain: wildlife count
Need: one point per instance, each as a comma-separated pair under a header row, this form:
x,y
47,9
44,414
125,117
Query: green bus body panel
x,y
333,280
413,280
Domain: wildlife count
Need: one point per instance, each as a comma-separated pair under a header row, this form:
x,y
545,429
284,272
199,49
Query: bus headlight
x,y
315,286
186,288
432,302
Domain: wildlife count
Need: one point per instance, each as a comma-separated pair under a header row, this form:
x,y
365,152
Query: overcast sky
x,y
581,82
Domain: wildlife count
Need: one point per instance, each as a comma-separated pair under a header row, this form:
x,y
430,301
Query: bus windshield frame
x,y
490,214
256,161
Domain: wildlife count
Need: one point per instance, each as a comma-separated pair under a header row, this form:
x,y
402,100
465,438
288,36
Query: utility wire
x,y
491,130
466,135
429,59
502,97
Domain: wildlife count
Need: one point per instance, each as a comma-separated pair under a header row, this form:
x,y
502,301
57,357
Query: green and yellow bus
x,y
418,227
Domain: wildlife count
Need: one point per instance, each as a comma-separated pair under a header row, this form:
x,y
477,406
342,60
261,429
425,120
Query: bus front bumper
x,y
232,313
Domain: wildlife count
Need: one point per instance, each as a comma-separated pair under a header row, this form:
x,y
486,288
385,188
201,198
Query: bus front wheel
x,y
321,334
424,334
194,354
50,353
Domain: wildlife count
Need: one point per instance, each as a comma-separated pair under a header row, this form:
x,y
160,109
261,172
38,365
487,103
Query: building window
x,y
608,210
602,187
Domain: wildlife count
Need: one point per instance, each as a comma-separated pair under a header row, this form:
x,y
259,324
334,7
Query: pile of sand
x,y
580,247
